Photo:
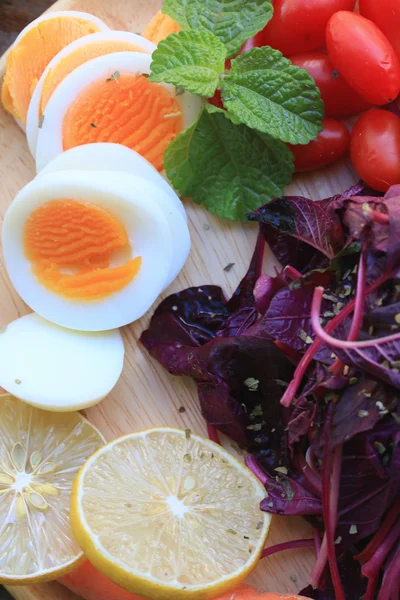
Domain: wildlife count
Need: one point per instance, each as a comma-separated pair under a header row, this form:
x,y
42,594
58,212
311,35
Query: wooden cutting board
x,y
146,395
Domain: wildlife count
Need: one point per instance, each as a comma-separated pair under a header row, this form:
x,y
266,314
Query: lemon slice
x,y
167,514
40,455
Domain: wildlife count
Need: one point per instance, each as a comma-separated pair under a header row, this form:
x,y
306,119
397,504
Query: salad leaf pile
x,y
234,159
303,370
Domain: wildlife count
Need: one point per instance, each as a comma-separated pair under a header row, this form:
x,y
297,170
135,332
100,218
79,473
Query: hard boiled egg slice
x,y
110,99
32,51
71,57
105,157
88,250
58,369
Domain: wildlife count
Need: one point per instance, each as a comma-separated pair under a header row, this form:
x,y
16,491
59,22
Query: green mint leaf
x,y
230,169
233,21
177,161
268,93
176,9
193,60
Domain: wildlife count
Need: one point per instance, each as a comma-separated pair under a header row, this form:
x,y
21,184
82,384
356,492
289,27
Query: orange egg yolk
x,y
29,58
71,245
124,109
75,59
160,27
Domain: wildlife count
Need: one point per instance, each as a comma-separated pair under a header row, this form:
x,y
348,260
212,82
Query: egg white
x,y
106,156
32,122
50,139
149,232
84,16
58,369
51,15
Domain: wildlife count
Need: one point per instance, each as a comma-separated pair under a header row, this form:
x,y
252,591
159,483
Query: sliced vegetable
x,y
375,149
364,57
299,25
330,145
340,100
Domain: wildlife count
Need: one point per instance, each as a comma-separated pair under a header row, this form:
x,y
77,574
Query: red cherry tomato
x,y
364,57
216,100
299,25
332,143
375,149
339,98
385,14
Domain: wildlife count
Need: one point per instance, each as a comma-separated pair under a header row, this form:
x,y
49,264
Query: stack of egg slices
x,y
94,239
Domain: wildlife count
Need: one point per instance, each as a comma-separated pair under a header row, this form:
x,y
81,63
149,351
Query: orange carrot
x,y
249,593
90,584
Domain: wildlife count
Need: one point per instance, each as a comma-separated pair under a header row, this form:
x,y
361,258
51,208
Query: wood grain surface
x,y
146,395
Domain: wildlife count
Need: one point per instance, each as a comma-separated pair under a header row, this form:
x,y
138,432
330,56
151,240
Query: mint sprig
x,y
193,60
232,161
232,21
228,168
266,92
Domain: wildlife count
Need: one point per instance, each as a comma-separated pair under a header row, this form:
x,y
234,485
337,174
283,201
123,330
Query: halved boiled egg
x,y
58,369
110,99
92,250
71,57
32,51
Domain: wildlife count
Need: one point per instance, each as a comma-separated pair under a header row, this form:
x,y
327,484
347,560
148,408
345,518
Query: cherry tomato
x,y
216,100
385,14
375,149
364,57
332,143
299,25
339,98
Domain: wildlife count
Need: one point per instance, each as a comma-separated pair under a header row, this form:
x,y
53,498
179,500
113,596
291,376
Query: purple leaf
x,y
200,310
304,220
393,192
288,318
393,250
289,496
359,408
390,589
382,361
266,288
369,482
